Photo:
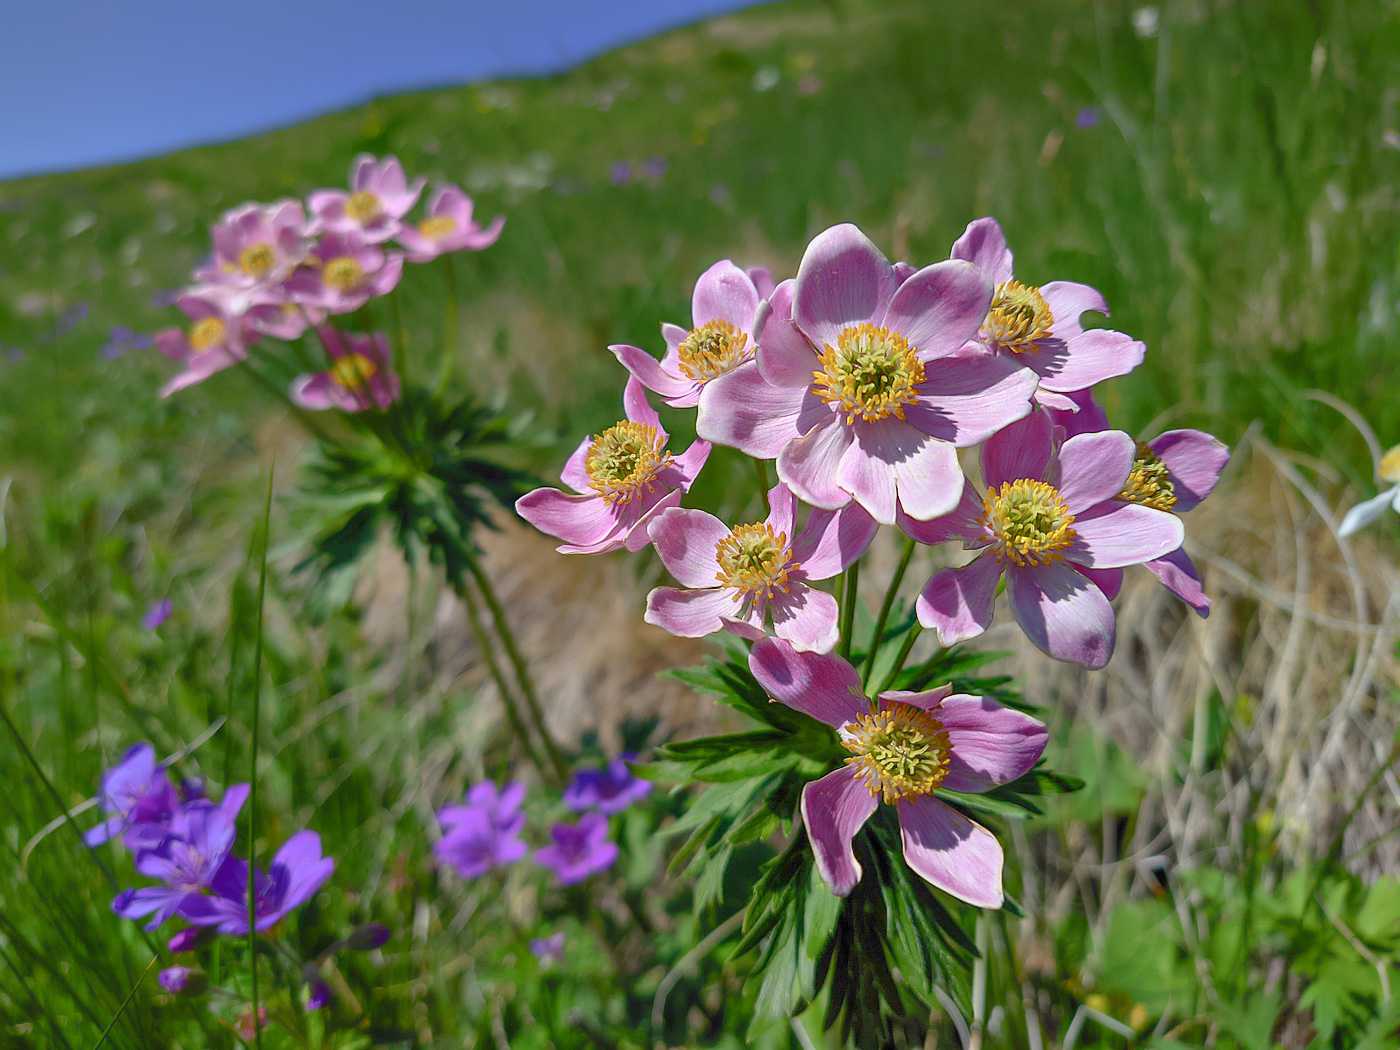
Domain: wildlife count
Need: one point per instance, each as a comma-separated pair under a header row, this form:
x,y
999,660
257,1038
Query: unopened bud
x,y
368,937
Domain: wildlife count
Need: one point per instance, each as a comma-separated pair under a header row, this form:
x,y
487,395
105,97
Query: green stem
x,y
450,325
909,639
125,1003
848,608
522,673
399,338
762,471
885,608
517,724
253,763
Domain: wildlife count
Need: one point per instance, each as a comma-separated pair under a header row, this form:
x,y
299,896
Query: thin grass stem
x,y
253,762
125,1002
450,325
483,642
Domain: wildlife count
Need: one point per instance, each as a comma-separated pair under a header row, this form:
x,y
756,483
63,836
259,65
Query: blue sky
x,y
85,82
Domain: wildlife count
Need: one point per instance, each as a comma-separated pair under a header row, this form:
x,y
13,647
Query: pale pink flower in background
x,y
256,245
378,199
1367,511
343,272
862,387
270,312
904,748
622,478
1039,327
1050,522
361,375
448,227
1173,472
727,309
738,579
219,337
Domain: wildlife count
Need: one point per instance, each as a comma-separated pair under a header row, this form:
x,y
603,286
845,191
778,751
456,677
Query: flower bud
x,y
181,980
190,938
368,937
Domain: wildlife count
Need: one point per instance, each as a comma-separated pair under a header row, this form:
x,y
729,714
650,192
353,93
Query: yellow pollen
x,y
362,207
871,373
257,260
1390,466
713,349
353,371
438,228
1149,484
344,273
754,559
1018,318
624,460
900,751
207,332
1029,522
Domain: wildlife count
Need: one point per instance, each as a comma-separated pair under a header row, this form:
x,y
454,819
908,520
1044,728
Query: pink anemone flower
x,y
905,748
378,199
361,375
761,573
1039,327
862,388
448,228
343,272
727,308
257,245
1174,472
622,479
219,337
1051,522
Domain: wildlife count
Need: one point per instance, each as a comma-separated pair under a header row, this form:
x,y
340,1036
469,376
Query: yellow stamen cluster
x,y
900,751
438,228
1029,520
257,260
711,350
343,273
353,371
754,559
1390,466
363,207
871,373
1018,318
207,332
624,460
1149,484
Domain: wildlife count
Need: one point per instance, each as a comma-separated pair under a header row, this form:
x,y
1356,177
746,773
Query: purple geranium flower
x,y
1087,117
139,798
318,996
863,388
157,614
368,937
1173,472
499,807
621,173
122,340
1050,521
548,950
579,850
1039,327
483,833
761,574
361,375
297,871
623,478
905,747
608,790
449,227
728,308
380,196
188,861
174,979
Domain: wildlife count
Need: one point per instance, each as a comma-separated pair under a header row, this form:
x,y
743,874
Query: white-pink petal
x,y
940,308
1093,468
810,464
740,409
689,614
834,808
991,744
950,851
1062,612
957,603
1113,534
984,245
686,541
823,686
831,540
843,280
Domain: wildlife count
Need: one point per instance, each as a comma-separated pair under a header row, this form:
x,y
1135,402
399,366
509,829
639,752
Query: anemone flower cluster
x,y
280,270
483,833
862,381
185,841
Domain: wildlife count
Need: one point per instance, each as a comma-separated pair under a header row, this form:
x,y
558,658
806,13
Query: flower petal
x,y
742,410
1022,450
1094,467
1088,358
726,293
681,472
686,541
810,464
638,535
963,522
843,280
823,686
940,308
833,809
958,602
689,614
1363,514
1178,574
784,356
950,851
1110,581
1063,613
575,472
1068,300
868,469
806,619
577,520
1194,460
965,400
984,245
1116,534
831,540
782,511
638,408
991,744
648,371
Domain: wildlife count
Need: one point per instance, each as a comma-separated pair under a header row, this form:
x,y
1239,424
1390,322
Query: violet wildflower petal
x,y
174,978
950,851
834,808
990,744
958,603
984,245
578,850
743,410
1113,534
1062,612
157,614
1194,460
1178,574
318,996
824,686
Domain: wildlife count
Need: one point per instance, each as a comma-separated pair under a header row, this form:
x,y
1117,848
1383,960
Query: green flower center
x,y
900,751
871,373
755,560
353,371
1149,484
711,350
1019,316
257,260
207,332
1029,520
438,228
363,207
624,460
344,273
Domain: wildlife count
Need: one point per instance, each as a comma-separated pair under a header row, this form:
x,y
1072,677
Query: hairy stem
x,y
885,608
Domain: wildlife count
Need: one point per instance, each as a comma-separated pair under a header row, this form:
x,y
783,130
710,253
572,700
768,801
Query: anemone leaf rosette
x,y
1050,521
1040,326
741,578
904,749
622,479
861,389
